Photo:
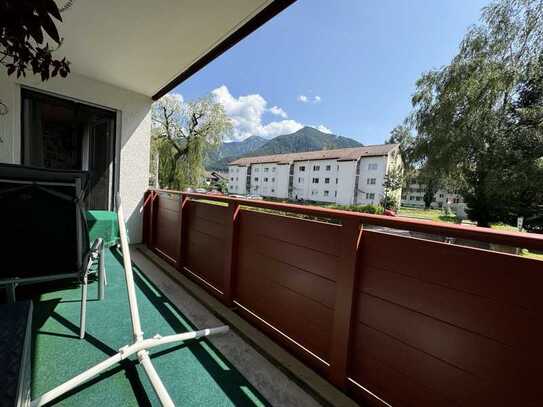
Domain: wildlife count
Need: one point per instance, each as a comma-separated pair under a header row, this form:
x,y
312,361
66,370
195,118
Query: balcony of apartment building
x,y
325,307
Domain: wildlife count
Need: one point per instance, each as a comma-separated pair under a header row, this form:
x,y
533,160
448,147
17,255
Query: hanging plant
x,y
24,28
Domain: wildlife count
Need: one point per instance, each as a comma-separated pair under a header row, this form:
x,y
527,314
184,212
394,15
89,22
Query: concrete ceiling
x,y
142,45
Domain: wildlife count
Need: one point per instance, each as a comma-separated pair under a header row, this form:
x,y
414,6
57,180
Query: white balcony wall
x,y
132,135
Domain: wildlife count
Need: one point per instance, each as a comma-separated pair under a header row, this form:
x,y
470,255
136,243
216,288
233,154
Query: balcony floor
x,y
195,373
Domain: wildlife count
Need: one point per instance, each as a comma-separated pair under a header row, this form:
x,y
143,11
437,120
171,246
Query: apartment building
x,y
344,176
413,196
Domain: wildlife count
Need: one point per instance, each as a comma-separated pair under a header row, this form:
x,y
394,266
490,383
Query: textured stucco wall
x,y
133,132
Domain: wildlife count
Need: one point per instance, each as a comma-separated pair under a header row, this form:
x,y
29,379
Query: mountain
x,y
216,160
242,147
305,139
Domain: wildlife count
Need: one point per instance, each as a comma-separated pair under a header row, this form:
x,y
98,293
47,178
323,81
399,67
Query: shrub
x,y
373,209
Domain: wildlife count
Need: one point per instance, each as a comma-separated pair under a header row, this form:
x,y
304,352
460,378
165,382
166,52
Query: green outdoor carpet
x,y
194,373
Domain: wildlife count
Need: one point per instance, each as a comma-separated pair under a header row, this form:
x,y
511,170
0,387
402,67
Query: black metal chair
x,y
44,235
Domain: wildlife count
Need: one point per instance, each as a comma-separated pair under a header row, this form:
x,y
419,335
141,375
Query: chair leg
x,y
103,263
11,293
102,278
83,311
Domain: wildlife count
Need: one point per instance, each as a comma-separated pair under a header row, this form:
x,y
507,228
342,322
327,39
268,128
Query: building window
x,y
327,180
326,193
266,169
273,169
441,195
335,194
411,198
237,178
315,180
231,178
370,195
273,179
316,168
418,198
371,181
337,168
256,178
302,168
314,192
266,179
273,190
336,180
372,166
300,180
328,167
256,169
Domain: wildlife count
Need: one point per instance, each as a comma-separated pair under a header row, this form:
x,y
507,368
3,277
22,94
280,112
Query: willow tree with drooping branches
x,y
463,111
182,134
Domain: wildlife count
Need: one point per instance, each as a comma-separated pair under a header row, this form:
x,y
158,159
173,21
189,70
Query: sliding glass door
x,y
62,134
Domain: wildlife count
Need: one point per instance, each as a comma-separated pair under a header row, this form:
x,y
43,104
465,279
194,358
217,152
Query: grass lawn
x,y
430,214
438,216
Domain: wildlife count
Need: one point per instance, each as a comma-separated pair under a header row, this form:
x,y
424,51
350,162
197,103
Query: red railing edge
x,y
515,239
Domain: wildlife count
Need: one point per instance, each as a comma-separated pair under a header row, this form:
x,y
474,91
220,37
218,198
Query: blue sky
x,y
355,61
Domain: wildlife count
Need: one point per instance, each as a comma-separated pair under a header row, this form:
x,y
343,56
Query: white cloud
x,y
246,113
309,99
276,110
323,128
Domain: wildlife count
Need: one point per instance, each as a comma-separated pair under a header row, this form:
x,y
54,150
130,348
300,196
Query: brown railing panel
x,y
387,317
286,275
166,226
462,325
204,248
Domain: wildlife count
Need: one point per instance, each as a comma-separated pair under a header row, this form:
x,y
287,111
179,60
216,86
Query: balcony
x,y
386,309
225,370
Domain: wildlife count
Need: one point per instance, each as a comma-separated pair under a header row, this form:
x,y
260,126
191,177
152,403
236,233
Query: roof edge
x,y
266,14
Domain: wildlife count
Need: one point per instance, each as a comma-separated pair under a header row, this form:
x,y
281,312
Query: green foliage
x,y
466,114
390,202
182,134
373,209
402,135
392,183
24,28
220,185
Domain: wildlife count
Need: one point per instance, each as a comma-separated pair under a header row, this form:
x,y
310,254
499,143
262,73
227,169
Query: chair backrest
x,y
43,229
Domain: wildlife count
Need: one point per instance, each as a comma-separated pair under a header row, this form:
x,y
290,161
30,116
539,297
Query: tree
x,y
182,133
392,183
23,44
402,135
462,111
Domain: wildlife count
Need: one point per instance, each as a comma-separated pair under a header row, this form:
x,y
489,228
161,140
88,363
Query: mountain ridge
x,y
305,139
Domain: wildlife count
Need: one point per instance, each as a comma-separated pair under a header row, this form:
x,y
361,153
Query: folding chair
x,y
44,234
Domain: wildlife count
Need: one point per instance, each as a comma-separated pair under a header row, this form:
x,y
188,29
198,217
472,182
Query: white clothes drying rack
x,y
139,346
